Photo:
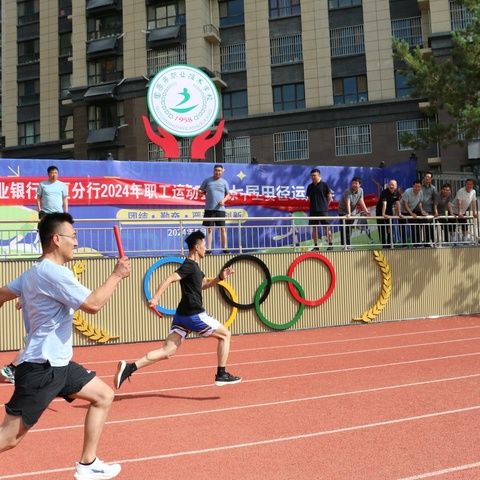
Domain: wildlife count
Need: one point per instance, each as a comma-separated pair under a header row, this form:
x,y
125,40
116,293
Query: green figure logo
x,y
186,98
183,100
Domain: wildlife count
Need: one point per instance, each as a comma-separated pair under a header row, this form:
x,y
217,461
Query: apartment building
x,y
311,82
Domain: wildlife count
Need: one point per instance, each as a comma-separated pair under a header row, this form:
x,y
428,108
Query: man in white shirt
x,y
466,199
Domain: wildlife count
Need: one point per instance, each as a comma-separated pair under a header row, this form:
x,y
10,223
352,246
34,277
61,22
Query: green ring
x,y
279,326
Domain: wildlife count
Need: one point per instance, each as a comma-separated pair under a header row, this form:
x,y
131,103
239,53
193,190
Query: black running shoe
x,y
208,252
226,251
124,370
226,379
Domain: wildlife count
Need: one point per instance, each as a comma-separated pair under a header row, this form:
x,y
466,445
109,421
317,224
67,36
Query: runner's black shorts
x,y
37,384
318,222
214,214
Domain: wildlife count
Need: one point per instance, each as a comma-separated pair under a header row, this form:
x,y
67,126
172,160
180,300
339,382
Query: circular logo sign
x,y
183,100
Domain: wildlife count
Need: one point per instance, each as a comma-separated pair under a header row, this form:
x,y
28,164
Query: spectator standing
x,y
388,204
429,192
352,198
52,195
411,205
466,199
217,192
442,207
320,196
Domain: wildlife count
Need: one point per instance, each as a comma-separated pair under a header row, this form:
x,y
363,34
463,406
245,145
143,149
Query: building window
x,y
28,92
105,116
158,59
284,8
231,13
29,51
353,140
460,17
408,29
411,127
65,44
236,150
66,127
347,41
28,11
288,97
64,8
102,27
233,58
105,70
157,153
333,4
235,104
285,50
290,146
401,90
165,14
29,133
350,90
65,82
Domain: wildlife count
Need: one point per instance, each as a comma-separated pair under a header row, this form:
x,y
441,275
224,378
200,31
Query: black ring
x,y
245,306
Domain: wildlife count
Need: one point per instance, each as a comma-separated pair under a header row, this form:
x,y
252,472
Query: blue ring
x,y
149,273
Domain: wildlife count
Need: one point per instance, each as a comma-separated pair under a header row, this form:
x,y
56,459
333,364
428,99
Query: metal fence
x,y
143,238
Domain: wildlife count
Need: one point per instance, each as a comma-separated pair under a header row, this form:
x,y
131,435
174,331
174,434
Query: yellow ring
x,y
233,295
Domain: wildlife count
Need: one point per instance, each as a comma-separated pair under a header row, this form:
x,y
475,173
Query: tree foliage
x,y
448,85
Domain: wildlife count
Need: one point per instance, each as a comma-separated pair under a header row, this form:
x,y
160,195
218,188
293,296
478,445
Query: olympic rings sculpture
x,y
262,291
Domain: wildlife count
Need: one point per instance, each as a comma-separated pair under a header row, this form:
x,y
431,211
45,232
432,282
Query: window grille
x,y
159,59
286,50
236,150
233,58
410,126
290,146
157,153
347,41
459,16
353,140
408,29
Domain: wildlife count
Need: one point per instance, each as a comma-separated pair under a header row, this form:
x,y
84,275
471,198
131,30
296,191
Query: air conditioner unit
x,y
474,150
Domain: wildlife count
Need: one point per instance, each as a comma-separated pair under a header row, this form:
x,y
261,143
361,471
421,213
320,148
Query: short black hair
x,y
50,223
416,182
314,170
52,167
194,238
217,165
357,179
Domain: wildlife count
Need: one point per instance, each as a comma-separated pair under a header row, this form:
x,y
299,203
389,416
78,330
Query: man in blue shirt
x,y
52,195
217,192
50,294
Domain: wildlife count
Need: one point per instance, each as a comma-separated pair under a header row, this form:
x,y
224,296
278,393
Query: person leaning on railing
x,y
442,207
389,198
466,199
411,205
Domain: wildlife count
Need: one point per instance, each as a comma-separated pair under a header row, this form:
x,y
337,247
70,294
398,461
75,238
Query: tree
x,y
448,85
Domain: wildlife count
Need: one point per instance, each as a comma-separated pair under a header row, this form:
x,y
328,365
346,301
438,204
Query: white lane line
x,y
262,405
265,442
458,468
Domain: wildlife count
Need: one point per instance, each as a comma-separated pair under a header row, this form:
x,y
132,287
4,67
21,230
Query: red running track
x,y
386,401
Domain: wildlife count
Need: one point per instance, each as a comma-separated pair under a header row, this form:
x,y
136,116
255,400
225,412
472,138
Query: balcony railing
x,y
144,237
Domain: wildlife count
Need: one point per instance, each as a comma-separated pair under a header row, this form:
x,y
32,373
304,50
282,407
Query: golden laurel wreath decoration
x,y
369,315
81,324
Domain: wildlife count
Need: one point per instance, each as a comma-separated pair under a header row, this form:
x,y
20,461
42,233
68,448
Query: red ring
x,y
293,290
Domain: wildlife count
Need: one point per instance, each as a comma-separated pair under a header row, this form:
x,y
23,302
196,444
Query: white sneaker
x,y
97,470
